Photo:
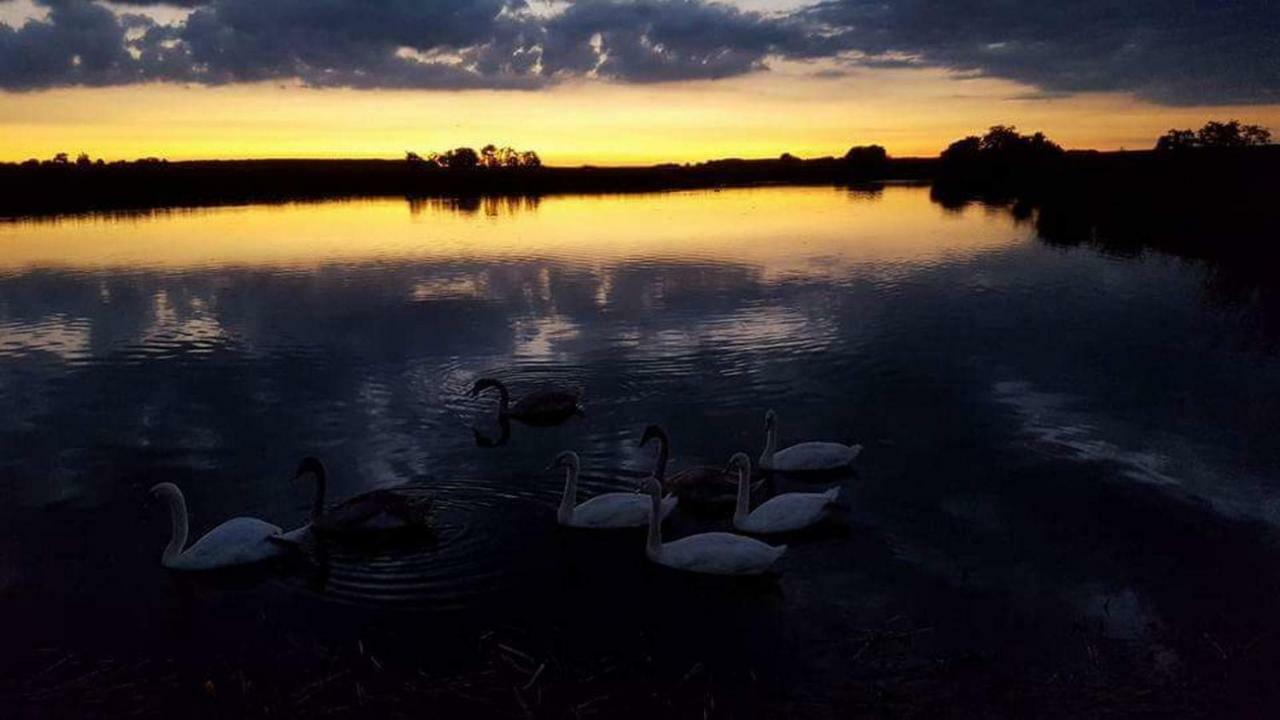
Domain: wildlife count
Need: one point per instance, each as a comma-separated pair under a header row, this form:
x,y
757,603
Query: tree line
x,y
488,158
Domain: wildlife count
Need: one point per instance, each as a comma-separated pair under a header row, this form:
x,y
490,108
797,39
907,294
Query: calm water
x,y
1071,471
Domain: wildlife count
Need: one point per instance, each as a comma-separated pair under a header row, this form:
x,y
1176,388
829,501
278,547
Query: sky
x,y
619,81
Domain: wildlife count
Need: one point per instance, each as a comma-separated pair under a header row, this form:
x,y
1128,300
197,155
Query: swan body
x,y
714,553
700,487
609,510
385,510
239,541
806,456
787,512
550,406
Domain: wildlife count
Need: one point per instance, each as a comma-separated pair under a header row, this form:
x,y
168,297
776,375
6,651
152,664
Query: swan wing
x,y
393,508
239,541
546,405
613,510
815,456
720,553
788,512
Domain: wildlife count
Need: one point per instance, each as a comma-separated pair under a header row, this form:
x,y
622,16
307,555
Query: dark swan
x,y
550,406
385,510
701,487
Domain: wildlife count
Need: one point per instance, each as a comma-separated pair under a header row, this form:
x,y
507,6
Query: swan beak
x,y
549,468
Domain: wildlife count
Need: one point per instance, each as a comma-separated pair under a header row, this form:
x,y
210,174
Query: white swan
x,y
803,457
610,510
239,541
714,553
781,513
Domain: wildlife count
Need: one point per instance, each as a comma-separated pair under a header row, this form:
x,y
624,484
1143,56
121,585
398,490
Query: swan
x,y
803,457
713,553
550,406
610,510
398,508
238,541
781,513
700,487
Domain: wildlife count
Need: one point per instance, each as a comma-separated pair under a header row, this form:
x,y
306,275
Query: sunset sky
x,y
619,81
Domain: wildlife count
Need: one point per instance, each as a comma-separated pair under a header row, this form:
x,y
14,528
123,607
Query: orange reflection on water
x,y
804,231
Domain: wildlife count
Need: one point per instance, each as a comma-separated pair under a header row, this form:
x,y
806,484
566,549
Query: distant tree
x,y
413,158
963,150
1215,134
463,158
866,154
490,157
788,158
61,159
867,160
1001,155
1001,139
1177,140
1255,135
83,160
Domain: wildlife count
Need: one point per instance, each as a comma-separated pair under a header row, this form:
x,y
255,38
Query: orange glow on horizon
x,y
912,112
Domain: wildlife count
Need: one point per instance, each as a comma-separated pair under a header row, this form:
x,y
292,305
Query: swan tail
x,y
854,451
833,494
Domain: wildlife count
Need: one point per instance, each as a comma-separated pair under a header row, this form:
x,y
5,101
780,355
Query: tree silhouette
x,y
867,160
1215,134
490,157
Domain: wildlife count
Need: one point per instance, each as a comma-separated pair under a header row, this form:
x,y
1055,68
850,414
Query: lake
x,y
1068,498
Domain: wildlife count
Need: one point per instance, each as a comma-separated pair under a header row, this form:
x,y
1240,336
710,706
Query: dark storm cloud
x,y
1172,51
660,40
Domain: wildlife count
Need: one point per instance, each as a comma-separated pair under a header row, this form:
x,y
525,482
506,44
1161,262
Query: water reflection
x,y
1052,434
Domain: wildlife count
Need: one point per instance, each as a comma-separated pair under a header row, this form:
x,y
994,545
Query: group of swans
x,y
715,553
243,540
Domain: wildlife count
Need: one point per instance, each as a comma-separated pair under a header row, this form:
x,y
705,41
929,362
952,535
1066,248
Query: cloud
x,y
1197,52
663,40
1169,51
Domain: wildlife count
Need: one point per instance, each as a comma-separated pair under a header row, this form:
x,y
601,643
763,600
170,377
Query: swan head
x,y
568,459
483,384
651,432
309,466
165,490
770,420
739,461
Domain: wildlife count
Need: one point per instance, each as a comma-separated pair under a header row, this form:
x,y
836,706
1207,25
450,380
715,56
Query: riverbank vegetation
x,y
1222,164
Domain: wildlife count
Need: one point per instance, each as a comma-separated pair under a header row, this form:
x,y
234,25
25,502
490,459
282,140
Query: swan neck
x,y
178,519
570,498
317,504
504,399
770,446
653,547
660,466
743,507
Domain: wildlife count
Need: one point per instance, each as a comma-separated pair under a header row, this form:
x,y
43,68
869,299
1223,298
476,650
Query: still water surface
x,y
1067,453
